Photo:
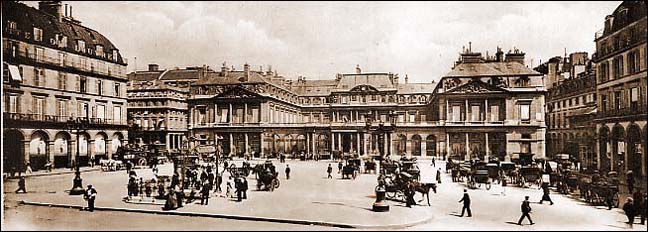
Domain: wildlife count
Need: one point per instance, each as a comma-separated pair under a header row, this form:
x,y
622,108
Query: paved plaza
x,y
307,196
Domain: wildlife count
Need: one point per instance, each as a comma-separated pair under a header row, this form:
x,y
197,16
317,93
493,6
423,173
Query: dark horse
x,y
424,188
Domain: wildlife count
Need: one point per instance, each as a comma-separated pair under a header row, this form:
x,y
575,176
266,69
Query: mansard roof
x,y
412,88
315,87
381,81
28,17
491,69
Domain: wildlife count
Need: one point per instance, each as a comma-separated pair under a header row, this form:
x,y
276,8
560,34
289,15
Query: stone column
x,y
263,145
51,151
332,138
487,147
307,143
358,143
245,114
247,146
313,136
216,115
447,146
168,141
231,141
229,114
467,157
364,144
424,146
386,142
339,144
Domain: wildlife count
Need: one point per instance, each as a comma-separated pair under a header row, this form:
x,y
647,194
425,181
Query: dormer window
x,y
12,26
99,51
80,46
114,54
38,34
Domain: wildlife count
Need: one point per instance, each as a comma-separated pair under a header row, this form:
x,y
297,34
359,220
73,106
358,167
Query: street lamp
x,y
79,125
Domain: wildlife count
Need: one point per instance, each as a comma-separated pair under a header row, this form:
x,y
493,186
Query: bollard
x,y
380,205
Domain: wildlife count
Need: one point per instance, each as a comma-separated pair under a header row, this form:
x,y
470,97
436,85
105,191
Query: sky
x,y
319,39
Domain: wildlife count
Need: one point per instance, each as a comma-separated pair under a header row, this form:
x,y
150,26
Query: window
x,y
99,51
83,84
344,100
456,113
39,53
474,113
61,108
80,46
494,113
114,55
64,42
12,26
39,74
101,111
604,102
577,99
412,118
617,100
634,98
38,34
526,136
39,106
354,98
525,112
374,98
117,114
13,103
525,147
62,81
631,62
117,90
99,87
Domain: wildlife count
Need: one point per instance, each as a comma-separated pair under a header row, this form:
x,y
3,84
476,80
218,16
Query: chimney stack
x,y
515,56
406,79
153,67
224,69
53,8
246,72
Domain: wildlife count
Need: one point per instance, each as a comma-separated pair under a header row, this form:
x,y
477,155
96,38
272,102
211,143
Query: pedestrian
x,y
339,167
638,202
466,203
204,194
409,191
210,178
629,210
28,168
433,164
545,194
438,175
239,189
287,172
130,187
49,165
645,209
90,195
219,181
141,186
92,161
630,181
244,184
503,180
526,210
148,189
180,196
229,188
21,185
329,170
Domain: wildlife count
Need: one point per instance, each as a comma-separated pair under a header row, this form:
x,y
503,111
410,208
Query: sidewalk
x,y
57,171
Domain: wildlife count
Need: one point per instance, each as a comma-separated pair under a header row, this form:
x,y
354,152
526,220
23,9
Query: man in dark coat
x,y
629,210
90,195
204,194
526,209
466,204
545,194
409,191
239,189
21,185
244,184
438,176
339,167
287,172
329,170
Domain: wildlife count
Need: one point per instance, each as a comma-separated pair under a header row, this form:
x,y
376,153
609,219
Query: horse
x,y
424,188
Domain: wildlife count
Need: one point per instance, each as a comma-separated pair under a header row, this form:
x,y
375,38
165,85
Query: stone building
x,y
571,107
621,89
57,71
371,113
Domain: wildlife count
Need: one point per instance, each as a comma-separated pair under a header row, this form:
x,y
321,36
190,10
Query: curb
x,y
239,217
55,173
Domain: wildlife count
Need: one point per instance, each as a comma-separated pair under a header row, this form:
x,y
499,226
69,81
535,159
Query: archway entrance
x,y
430,145
62,151
13,155
38,150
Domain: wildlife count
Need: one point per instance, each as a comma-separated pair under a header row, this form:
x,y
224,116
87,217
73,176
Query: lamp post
x,y
79,125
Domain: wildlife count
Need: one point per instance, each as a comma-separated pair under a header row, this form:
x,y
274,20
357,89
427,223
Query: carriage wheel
x,y
277,183
232,167
259,185
141,162
488,186
615,200
272,185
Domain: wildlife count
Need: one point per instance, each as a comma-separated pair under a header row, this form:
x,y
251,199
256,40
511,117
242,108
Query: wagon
x,y
370,166
493,171
530,174
267,180
480,177
395,185
411,168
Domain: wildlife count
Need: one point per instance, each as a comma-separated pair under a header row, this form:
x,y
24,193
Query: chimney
x,y
515,56
53,8
551,74
406,79
358,71
338,77
70,11
395,80
153,67
499,55
224,70
246,72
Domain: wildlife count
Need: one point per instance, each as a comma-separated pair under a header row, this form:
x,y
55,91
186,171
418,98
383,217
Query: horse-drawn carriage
x,y
530,174
111,165
568,182
603,191
397,185
243,169
410,167
479,175
138,155
266,175
370,166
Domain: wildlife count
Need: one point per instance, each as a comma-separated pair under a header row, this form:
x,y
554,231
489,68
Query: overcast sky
x,y
319,39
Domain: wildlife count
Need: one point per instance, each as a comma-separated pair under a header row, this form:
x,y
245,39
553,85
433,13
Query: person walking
x,y
245,187
204,194
287,172
545,194
229,187
28,168
329,170
340,167
466,204
629,180
90,195
526,210
92,161
21,185
129,166
438,175
629,210
239,189
433,164
638,203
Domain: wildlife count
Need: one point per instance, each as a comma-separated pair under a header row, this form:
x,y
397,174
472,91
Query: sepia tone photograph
x,y
311,116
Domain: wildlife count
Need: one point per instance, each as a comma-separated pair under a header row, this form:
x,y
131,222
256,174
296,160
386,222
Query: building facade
x,y
621,62
260,113
571,108
58,72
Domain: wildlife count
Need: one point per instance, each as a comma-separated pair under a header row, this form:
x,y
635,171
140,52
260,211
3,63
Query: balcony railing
x,y
54,60
21,117
627,111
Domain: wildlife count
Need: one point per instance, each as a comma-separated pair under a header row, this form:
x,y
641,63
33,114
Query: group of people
x,y
637,205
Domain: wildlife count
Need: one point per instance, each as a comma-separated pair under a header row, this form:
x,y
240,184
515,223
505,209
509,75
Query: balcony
x,y
56,61
55,119
623,112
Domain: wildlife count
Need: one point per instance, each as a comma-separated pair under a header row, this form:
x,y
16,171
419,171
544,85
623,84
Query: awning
x,y
14,73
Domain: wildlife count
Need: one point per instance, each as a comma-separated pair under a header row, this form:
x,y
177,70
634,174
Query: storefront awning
x,y
14,73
